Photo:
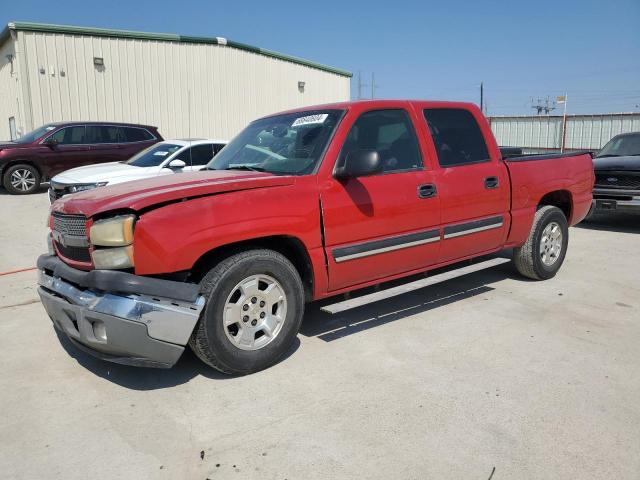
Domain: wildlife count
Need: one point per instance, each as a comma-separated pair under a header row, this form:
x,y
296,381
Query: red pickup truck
x,y
300,206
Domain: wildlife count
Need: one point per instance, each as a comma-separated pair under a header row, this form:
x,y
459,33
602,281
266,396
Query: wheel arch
x,y
561,199
291,247
20,161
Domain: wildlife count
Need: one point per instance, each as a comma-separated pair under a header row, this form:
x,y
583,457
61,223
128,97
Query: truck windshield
x,y
290,144
33,135
621,146
154,155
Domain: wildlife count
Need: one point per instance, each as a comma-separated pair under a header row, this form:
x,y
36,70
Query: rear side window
x,y
137,134
391,134
457,136
104,134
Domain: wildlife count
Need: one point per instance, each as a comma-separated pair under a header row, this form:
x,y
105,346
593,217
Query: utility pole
x,y
563,100
482,97
374,85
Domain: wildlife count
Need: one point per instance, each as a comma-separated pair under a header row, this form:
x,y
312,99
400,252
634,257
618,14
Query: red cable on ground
x,y
10,272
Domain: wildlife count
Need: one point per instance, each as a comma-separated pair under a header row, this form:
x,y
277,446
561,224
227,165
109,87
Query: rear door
x,y
385,224
473,187
107,143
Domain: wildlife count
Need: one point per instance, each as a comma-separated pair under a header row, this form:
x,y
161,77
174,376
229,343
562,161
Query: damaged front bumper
x,y
118,316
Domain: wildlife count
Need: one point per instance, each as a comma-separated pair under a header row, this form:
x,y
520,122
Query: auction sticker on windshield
x,y
161,154
310,119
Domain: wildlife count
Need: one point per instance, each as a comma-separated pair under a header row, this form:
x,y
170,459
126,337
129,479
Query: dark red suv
x,y
55,147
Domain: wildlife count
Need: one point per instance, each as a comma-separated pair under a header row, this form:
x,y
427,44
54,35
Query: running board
x,y
411,286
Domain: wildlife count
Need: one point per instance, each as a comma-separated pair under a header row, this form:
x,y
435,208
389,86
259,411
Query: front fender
x,y
173,237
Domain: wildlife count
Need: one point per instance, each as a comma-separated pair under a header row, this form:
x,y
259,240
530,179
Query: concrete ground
x,y
490,376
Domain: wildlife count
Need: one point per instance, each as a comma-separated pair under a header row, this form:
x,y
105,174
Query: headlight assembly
x,y
87,186
113,258
113,232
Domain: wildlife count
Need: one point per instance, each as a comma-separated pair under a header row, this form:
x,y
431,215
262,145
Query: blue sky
x,y
417,49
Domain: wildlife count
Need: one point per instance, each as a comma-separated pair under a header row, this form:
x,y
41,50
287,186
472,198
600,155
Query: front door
x,y
385,224
69,151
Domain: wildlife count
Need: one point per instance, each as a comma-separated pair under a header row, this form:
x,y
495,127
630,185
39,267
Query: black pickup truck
x,y
617,169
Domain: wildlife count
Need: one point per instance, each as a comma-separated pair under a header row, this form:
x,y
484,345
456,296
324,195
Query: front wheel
x,y
21,179
255,305
543,253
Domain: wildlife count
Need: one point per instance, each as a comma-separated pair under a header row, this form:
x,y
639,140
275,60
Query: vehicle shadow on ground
x,y
316,323
614,222
330,327
141,378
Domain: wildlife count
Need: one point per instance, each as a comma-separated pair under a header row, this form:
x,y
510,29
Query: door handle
x,y
491,182
428,190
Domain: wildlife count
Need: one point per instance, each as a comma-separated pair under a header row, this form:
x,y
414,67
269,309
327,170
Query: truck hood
x,y
617,163
103,172
165,189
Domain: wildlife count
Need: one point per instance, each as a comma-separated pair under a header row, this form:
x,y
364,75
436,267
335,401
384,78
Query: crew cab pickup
x,y
300,206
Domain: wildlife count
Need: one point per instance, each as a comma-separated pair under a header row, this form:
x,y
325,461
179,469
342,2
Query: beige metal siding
x,y
545,132
149,82
9,89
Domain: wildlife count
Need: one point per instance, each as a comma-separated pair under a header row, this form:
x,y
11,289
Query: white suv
x,y
169,156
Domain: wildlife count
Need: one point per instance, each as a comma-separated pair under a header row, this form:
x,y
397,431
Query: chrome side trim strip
x,y
473,230
386,249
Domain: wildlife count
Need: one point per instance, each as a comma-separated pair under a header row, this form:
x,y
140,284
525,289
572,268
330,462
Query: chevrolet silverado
x,y
300,206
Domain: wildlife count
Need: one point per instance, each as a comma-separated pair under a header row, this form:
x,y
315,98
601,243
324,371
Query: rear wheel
x,y
255,304
543,253
21,179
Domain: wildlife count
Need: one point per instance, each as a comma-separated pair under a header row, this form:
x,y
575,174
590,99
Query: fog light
x,y
113,258
100,331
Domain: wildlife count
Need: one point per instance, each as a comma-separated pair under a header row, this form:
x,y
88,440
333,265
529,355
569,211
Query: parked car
x,y
300,206
617,169
46,151
169,156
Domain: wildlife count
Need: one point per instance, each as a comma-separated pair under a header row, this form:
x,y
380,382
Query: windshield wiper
x,y
245,167
608,155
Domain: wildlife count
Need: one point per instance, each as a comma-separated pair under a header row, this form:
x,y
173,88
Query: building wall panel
x,y
539,133
151,82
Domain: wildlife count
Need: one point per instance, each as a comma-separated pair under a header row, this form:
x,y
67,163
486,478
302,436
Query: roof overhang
x,y
162,37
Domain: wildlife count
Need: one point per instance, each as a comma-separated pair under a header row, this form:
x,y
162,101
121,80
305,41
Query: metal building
x,y
187,86
541,133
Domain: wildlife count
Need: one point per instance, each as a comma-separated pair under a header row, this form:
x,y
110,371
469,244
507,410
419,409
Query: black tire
x,y
27,171
209,340
527,258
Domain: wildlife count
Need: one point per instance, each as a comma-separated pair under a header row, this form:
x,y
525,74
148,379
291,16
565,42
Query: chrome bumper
x,y
124,328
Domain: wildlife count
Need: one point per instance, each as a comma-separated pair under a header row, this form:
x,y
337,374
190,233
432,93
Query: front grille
x,y
617,180
78,254
74,225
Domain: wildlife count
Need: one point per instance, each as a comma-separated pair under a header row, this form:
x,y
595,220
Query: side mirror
x,y
176,164
359,163
51,142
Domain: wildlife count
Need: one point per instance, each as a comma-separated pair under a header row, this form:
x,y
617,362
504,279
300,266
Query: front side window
x,y
621,146
33,135
197,155
154,155
288,144
456,136
391,134
70,135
